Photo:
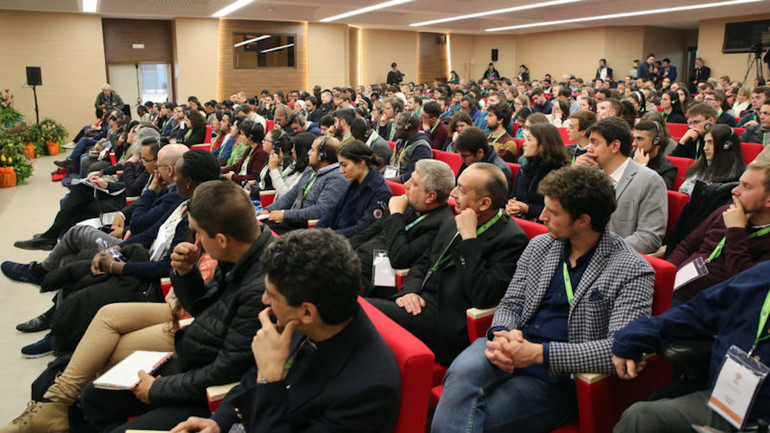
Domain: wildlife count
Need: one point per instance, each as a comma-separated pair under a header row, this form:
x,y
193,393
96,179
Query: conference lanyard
x,y
414,223
347,136
245,165
434,127
665,116
443,259
495,140
392,131
568,284
187,136
697,147
718,250
309,185
764,138
762,321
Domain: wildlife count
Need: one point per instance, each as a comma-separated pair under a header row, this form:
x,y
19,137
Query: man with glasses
x,y
715,98
473,147
700,118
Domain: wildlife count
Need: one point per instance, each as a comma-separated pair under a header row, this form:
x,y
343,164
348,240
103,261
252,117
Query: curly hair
x,y
582,190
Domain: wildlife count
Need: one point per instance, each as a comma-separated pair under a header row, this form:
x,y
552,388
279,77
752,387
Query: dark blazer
x,y
360,206
671,74
525,186
643,71
350,383
404,247
599,73
726,119
664,168
674,117
476,276
197,136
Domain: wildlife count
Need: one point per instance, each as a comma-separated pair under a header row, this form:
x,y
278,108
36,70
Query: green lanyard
x,y
347,136
414,223
443,259
434,127
718,250
764,138
697,147
665,116
568,284
495,140
392,131
309,184
186,136
762,321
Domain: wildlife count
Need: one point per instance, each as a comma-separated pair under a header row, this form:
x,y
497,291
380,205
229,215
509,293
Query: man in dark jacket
x,y
412,146
107,99
469,264
409,230
394,76
758,133
473,147
648,139
322,366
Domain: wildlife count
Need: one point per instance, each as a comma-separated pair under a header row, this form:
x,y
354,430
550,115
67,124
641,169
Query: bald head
x,y
171,153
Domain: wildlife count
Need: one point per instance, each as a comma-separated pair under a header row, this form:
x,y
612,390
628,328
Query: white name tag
x,y
736,386
391,172
384,275
690,272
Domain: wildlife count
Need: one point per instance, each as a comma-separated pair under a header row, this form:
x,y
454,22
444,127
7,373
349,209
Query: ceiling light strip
x,y
246,42
277,48
365,10
227,10
622,15
90,6
495,12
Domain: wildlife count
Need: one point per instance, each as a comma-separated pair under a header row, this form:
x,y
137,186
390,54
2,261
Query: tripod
x,y
37,111
755,61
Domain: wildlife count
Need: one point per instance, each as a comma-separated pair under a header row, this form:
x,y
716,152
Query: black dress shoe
x,y
39,323
66,164
43,244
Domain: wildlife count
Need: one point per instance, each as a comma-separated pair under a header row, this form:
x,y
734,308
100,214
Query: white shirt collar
x,y
618,173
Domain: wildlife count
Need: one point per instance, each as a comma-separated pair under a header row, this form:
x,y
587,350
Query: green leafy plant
x,y
33,134
53,131
12,155
8,115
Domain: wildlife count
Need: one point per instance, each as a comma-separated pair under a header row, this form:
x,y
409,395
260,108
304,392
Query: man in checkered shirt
x,y
573,288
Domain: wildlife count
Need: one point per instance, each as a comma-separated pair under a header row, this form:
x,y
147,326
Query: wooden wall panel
x,y
433,57
120,35
251,81
353,39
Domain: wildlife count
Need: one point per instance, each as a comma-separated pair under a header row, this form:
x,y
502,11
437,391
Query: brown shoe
x,y
41,417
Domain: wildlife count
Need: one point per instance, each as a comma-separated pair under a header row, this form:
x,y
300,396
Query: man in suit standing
x,y
668,71
640,192
604,72
701,74
322,365
469,264
573,288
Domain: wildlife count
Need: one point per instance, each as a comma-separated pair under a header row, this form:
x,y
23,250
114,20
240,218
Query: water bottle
x,y
104,247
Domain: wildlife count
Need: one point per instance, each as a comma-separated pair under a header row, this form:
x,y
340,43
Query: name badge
x,y
391,172
690,272
736,386
383,274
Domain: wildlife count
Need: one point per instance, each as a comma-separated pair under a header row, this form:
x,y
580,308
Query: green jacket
x,y
116,101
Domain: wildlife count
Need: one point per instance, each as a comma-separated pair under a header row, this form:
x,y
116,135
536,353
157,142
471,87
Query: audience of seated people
x,y
446,275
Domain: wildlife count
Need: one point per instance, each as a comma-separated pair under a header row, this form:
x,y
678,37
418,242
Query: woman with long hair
x,y
672,107
253,159
460,121
543,151
721,161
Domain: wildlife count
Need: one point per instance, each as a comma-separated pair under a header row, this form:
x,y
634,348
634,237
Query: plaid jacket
x,y
615,289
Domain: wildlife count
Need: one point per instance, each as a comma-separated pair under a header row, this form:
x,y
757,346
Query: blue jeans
x,y
479,397
82,147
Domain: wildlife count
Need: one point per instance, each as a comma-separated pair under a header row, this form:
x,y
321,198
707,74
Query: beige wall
x,y
328,55
195,57
380,48
68,48
710,40
621,46
461,52
557,53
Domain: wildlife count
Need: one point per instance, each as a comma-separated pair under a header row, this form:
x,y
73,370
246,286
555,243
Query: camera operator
x,y
394,76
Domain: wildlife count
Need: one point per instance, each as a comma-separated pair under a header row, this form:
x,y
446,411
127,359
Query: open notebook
x,y
125,374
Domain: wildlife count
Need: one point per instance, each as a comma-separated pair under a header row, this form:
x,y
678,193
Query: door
x,y
139,83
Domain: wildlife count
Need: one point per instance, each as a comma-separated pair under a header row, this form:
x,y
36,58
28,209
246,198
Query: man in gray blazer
x,y
573,288
642,212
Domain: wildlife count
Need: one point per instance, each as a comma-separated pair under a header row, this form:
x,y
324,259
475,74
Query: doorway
x,y
141,82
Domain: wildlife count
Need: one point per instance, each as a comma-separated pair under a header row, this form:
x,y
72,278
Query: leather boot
x,y
41,417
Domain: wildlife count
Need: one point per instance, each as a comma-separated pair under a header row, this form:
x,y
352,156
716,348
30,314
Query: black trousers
x,y
81,205
109,410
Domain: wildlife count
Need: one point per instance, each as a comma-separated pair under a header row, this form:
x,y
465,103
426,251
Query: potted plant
x,y
9,117
14,164
53,135
32,135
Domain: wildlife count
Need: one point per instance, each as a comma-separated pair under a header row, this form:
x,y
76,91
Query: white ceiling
x,y
399,17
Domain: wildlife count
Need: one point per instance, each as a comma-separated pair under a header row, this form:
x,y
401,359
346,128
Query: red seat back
x,y
681,164
209,132
453,159
750,151
514,171
396,188
665,273
677,130
270,125
739,131
565,136
415,362
532,229
676,202
392,145
514,127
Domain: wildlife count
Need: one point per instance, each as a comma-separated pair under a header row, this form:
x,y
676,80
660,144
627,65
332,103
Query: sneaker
x,y
70,145
41,417
41,243
21,272
39,349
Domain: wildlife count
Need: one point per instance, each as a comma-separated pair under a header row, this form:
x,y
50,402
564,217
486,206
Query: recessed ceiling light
x,y
277,48
227,10
365,10
90,6
248,41
622,15
495,12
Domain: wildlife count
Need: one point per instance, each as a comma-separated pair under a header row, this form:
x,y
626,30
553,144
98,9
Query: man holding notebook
x,y
322,365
